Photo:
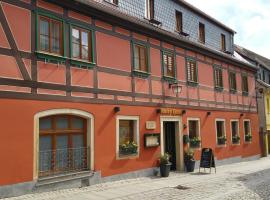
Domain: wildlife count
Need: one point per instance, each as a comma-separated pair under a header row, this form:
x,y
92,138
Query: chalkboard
x,y
207,159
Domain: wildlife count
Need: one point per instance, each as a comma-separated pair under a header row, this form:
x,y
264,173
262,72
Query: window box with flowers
x,y
236,139
195,142
129,148
222,140
248,138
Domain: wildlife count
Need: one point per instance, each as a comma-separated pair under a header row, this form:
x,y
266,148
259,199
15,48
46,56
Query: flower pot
x,y
190,165
165,169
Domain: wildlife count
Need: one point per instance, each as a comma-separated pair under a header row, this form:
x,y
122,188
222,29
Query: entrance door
x,y
169,141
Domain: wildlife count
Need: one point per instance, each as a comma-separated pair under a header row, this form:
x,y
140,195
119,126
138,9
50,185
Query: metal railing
x,y
60,161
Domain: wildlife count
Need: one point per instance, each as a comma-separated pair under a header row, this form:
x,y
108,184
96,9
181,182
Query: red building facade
x,y
82,87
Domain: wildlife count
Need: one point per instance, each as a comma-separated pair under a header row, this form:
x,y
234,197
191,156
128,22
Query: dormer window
x,y
115,2
201,33
150,9
179,21
223,42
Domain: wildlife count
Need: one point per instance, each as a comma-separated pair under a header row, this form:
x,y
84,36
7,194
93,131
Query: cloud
x,y
249,18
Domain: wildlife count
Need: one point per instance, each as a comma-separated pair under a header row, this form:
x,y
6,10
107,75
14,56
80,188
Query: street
x,y
246,180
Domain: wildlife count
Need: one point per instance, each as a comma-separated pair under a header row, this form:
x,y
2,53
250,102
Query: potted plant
x,y
236,139
189,160
248,138
128,148
195,142
165,165
222,140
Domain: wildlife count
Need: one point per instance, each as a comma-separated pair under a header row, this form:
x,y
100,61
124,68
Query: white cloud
x,y
249,18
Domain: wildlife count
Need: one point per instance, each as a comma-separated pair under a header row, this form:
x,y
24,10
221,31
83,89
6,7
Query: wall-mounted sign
x,y
151,140
151,125
170,111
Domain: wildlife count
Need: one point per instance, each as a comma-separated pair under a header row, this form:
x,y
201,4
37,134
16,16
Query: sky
x,y
249,18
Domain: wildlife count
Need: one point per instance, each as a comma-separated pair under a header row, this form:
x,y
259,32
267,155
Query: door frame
x,y
178,139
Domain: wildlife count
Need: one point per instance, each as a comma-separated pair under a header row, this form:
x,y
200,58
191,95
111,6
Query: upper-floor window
x,y
81,44
245,84
201,33
140,58
168,64
150,9
179,21
112,1
223,42
218,77
192,71
232,81
50,34
263,75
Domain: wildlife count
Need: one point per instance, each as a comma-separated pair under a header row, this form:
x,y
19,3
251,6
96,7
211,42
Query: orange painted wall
x,y
16,147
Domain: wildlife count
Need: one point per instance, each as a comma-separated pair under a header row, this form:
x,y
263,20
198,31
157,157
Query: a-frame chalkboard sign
x,y
207,159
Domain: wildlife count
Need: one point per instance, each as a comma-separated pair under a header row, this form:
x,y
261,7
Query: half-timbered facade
x,y
97,90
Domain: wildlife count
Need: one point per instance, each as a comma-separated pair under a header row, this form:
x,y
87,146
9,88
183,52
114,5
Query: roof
x,y
263,61
114,16
203,14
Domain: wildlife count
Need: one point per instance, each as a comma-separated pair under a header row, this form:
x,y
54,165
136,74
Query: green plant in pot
x,y
195,142
165,165
222,140
236,139
189,160
248,138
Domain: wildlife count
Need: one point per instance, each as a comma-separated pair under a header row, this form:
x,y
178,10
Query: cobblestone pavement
x,y
246,180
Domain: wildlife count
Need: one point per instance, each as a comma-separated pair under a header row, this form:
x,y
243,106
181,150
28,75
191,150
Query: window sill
x,y
236,144
50,57
140,74
219,89
192,84
221,145
170,79
82,63
248,142
245,93
233,91
126,157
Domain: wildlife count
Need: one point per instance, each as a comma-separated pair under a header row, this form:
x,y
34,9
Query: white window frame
x,y
199,127
247,120
221,120
137,126
238,131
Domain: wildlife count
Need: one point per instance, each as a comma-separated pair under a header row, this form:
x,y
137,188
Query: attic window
x,y
115,2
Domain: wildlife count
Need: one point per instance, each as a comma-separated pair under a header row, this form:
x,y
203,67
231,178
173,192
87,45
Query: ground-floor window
x,y
221,132
247,131
62,144
235,131
194,132
127,136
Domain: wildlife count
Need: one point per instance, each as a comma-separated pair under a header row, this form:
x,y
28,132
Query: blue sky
x,y
249,18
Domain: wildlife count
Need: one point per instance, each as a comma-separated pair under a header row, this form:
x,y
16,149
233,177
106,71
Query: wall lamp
x,y
177,89
158,110
241,115
184,112
116,109
208,113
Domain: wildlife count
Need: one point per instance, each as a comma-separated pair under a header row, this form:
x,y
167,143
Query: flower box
x,y
248,138
222,140
195,142
235,139
129,148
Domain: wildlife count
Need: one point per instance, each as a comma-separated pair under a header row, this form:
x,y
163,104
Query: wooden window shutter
x,y
151,9
202,32
179,23
192,71
223,42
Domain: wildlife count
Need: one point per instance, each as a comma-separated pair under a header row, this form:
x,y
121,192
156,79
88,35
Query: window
x,y
150,9
223,42
220,132
140,58
194,133
81,44
245,84
62,145
232,81
179,22
192,71
50,35
247,131
263,75
235,132
168,65
113,1
218,77
127,136
201,33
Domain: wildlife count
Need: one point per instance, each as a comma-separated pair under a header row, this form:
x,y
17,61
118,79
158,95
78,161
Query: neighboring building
x,y
263,86
100,90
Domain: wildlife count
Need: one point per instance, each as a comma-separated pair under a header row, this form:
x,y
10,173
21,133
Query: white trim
x,y
220,120
178,140
125,117
199,128
238,130
147,10
247,120
80,113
